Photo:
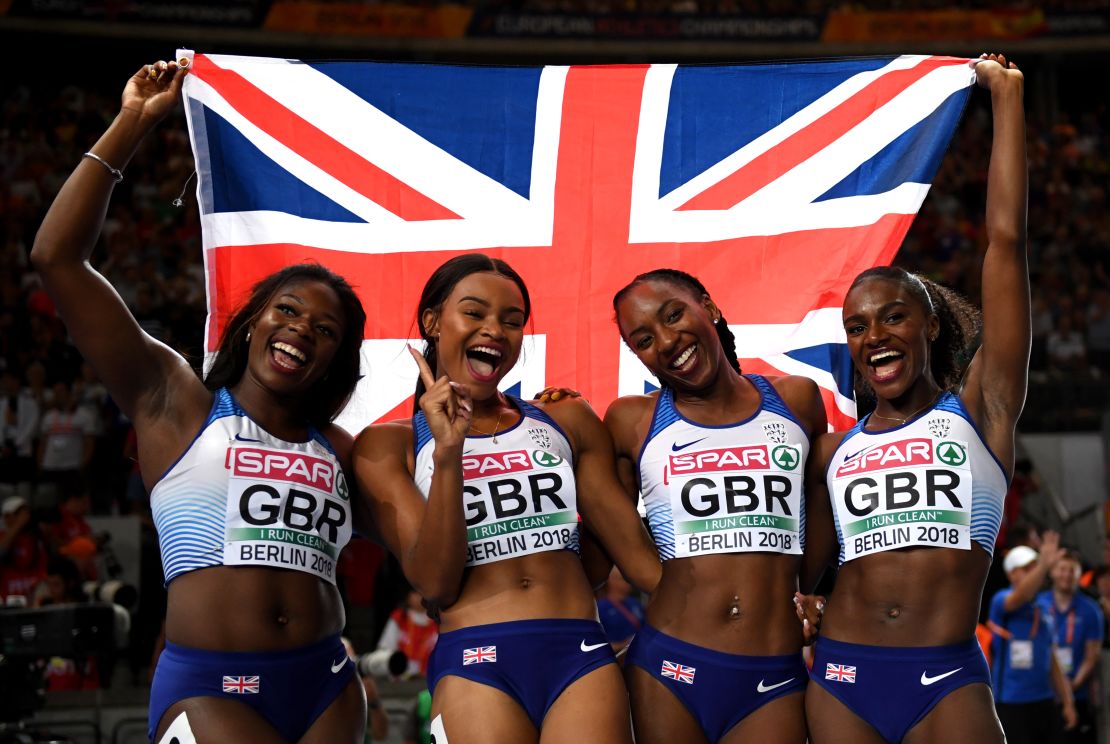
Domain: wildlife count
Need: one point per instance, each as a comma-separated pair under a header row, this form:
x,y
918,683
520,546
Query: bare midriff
x,y
739,603
911,597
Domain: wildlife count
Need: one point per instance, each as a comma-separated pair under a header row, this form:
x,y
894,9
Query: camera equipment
x,y
113,591
382,663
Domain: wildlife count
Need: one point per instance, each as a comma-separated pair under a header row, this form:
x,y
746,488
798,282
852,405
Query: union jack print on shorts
x,y
679,672
840,673
479,655
241,685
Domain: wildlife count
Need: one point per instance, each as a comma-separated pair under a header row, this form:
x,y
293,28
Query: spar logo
x,y
785,457
952,453
281,465
900,454
546,459
725,459
496,463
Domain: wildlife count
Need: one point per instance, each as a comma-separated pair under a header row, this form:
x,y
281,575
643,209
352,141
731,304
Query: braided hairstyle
x,y
440,285
323,402
960,322
686,281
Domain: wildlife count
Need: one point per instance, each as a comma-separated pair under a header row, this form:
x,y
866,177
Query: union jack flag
x,y
774,183
840,673
479,655
241,685
679,672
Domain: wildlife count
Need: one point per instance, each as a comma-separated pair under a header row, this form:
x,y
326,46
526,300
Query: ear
x,y
932,329
429,320
711,308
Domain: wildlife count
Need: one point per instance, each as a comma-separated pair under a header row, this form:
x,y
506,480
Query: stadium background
x,y
64,61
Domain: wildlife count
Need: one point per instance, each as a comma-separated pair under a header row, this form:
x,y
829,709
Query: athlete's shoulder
x,y
825,446
629,410
340,440
384,436
803,397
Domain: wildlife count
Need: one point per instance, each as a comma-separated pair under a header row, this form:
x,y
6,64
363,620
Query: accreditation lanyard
x,y
1070,624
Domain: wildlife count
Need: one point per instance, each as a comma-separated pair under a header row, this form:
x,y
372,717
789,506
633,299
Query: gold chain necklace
x,y
901,421
490,433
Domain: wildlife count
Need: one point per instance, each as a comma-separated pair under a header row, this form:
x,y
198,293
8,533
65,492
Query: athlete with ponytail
x,y
911,497
718,457
477,495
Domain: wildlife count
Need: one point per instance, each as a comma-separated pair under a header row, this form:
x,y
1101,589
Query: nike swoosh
x,y
856,454
338,665
245,439
678,447
927,680
767,688
591,647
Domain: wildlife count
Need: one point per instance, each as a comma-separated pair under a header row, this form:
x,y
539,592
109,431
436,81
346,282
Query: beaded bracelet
x,y
116,172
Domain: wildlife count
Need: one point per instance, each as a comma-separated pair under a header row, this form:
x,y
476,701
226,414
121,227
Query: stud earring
x,y
248,339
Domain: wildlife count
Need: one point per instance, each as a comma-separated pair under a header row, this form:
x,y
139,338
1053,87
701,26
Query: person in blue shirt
x,y
1024,671
1078,625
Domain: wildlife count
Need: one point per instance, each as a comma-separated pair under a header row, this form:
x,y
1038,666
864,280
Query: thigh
x,y
832,722
218,720
344,720
657,715
781,721
594,708
968,710
474,713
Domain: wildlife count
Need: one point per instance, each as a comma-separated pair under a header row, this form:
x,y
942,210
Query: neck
x,y
279,415
726,390
1063,597
912,402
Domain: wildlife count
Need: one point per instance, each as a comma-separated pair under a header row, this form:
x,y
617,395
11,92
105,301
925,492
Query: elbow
x,y
437,593
44,253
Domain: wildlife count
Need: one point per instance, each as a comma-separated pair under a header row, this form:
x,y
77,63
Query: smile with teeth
x,y
684,356
483,360
883,357
289,357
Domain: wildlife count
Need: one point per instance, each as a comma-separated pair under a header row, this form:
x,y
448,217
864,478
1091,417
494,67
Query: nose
x,y
299,325
667,338
875,333
494,329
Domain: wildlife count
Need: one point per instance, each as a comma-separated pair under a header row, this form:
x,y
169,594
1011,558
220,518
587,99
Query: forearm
x,y
1087,668
436,560
1026,589
1060,683
1008,173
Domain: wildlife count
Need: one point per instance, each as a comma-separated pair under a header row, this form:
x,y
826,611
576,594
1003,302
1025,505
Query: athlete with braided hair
x,y
718,457
912,495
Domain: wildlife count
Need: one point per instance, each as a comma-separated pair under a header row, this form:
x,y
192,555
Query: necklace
x,y
901,421
489,433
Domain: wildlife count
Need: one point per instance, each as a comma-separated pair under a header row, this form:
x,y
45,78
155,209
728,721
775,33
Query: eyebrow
x,y
327,314
882,308
486,303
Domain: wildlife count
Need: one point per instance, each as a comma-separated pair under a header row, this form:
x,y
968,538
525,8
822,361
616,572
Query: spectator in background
x,y
1101,583
62,585
621,612
410,631
1067,350
1025,670
1098,329
1078,625
72,536
19,419
65,443
23,550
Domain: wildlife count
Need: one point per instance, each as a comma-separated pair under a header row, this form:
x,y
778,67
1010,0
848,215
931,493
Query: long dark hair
x,y
688,281
439,287
323,402
960,323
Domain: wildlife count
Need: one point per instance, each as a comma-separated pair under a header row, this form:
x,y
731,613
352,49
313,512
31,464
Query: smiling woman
x,y
478,496
244,469
909,501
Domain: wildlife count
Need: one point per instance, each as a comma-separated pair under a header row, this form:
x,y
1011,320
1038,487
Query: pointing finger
x,y
426,375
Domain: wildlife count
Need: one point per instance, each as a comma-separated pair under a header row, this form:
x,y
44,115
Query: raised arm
x,y
997,378
428,536
605,506
140,372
